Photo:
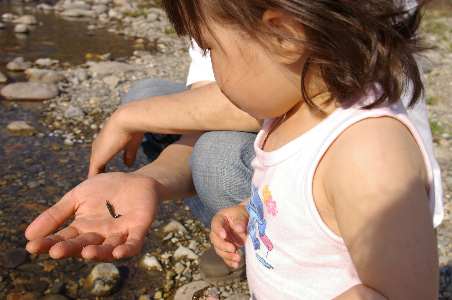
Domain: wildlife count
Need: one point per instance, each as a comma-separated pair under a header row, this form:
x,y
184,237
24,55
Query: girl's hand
x,y
94,234
360,292
228,233
113,138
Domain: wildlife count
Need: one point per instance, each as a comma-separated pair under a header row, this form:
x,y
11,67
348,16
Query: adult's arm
x,y
204,108
171,170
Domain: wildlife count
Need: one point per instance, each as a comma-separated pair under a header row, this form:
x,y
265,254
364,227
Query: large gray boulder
x,y
33,91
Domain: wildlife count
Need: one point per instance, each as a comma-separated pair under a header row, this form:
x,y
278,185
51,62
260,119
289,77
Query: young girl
x,y
344,200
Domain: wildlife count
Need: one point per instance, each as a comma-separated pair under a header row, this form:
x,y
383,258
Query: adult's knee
x,y
221,167
147,88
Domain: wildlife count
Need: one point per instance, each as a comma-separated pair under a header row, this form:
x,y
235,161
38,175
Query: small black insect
x,y
111,210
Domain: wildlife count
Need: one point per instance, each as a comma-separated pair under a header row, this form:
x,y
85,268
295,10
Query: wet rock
x,y
18,64
3,78
100,8
183,252
46,62
57,287
78,13
21,28
110,67
174,226
21,296
26,20
103,279
187,291
150,263
68,141
14,258
80,5
33,91
45,76
44,7
20,128
8,17
54,297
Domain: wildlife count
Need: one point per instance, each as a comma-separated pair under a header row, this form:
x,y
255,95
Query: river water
x,y
56,38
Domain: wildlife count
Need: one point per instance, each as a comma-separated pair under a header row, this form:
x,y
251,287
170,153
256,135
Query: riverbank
x,y
41,162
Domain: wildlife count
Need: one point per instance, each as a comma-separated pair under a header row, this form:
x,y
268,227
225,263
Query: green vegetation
x,y
432,100
436,127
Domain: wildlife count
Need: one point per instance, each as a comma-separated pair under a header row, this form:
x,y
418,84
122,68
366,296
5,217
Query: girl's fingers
x,y
231,263
218,226
220,243
133,244
104,252
74,247
43,245
232,256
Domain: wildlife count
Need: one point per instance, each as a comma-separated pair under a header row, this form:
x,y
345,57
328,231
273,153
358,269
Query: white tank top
x,y
290,252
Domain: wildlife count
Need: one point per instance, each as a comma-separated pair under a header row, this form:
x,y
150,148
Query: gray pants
x,y
220,163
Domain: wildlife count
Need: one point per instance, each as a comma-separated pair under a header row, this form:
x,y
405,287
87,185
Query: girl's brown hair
x,y
354,43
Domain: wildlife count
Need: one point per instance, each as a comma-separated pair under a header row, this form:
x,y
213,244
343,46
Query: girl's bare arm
x,y
378,187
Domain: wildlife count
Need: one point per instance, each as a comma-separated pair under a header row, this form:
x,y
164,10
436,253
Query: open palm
x,y
94,233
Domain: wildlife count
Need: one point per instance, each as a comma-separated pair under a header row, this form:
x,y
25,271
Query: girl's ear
x,y
289,34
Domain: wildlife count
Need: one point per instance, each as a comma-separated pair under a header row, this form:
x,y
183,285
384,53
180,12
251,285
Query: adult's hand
x,y
94,234
112,139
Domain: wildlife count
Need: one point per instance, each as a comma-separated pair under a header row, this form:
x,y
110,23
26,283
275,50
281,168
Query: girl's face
x,y
257,81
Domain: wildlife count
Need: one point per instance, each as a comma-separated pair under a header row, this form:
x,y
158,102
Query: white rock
x,y
44,7
2,26
18,64
150,263
183,252
114,14
73,112
68,142
76,5
33,91
110,67
179,268
112,81
3,78
78,13
193,245
187,291
45,76
21,28
8,17
46,62
174,226
20,127
103,279
27,20
100,8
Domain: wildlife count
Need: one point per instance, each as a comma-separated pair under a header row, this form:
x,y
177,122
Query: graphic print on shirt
x,y
257,224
